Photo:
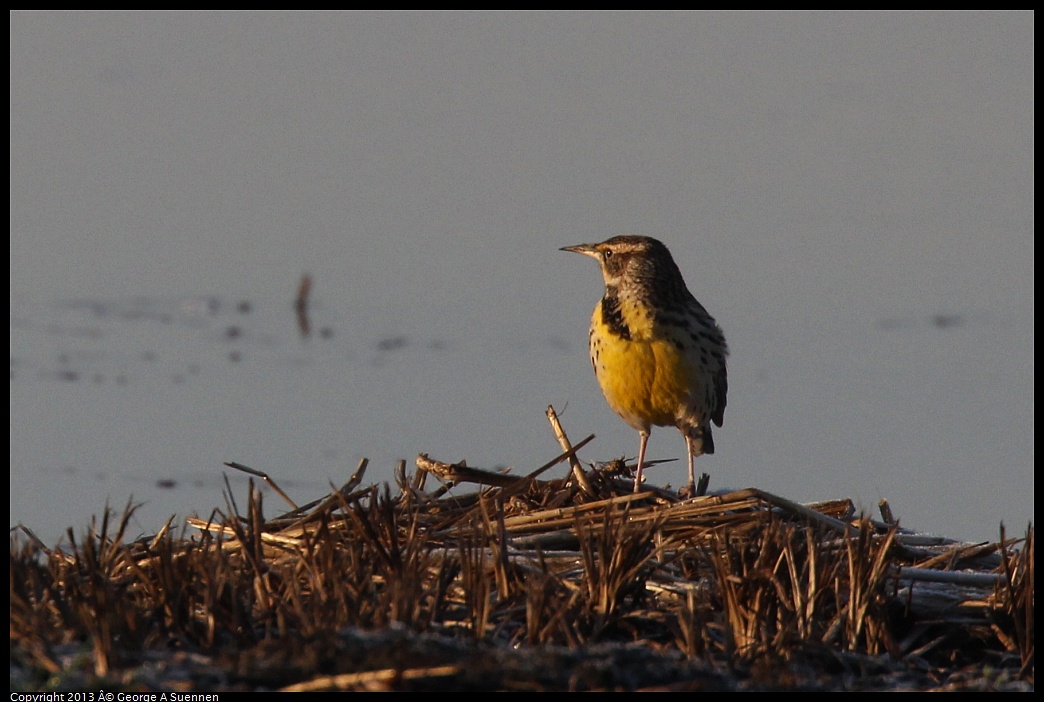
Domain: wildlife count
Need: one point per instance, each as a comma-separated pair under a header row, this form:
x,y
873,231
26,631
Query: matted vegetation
x,y
522,584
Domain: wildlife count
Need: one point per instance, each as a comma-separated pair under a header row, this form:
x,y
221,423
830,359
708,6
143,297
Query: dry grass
x,y
526,584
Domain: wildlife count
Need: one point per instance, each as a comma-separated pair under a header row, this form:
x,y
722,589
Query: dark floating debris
x,y
65,375
393,343
304,325
947,320
940,320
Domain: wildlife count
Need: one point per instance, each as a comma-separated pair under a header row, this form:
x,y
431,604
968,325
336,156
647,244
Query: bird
x,y
658,355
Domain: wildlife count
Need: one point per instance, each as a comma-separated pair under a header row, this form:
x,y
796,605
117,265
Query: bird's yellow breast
x,y
647,380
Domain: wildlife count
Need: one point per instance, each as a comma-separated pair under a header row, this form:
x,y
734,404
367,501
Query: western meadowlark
x,y
657,353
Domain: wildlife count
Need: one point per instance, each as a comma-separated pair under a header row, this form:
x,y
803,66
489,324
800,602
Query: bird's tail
x,y
701,438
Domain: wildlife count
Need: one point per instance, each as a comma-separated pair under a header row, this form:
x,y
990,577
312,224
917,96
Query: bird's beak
x,y
585,249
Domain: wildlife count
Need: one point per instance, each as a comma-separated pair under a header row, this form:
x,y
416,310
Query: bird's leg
x,y
644,435
691,488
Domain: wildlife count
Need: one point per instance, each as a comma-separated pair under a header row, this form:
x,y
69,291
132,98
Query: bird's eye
x,y
607,254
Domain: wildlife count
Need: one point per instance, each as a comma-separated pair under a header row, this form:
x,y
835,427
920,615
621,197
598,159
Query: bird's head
x,y
628,258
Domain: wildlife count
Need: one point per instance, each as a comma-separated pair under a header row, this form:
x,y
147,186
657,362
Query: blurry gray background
x,y
850,194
